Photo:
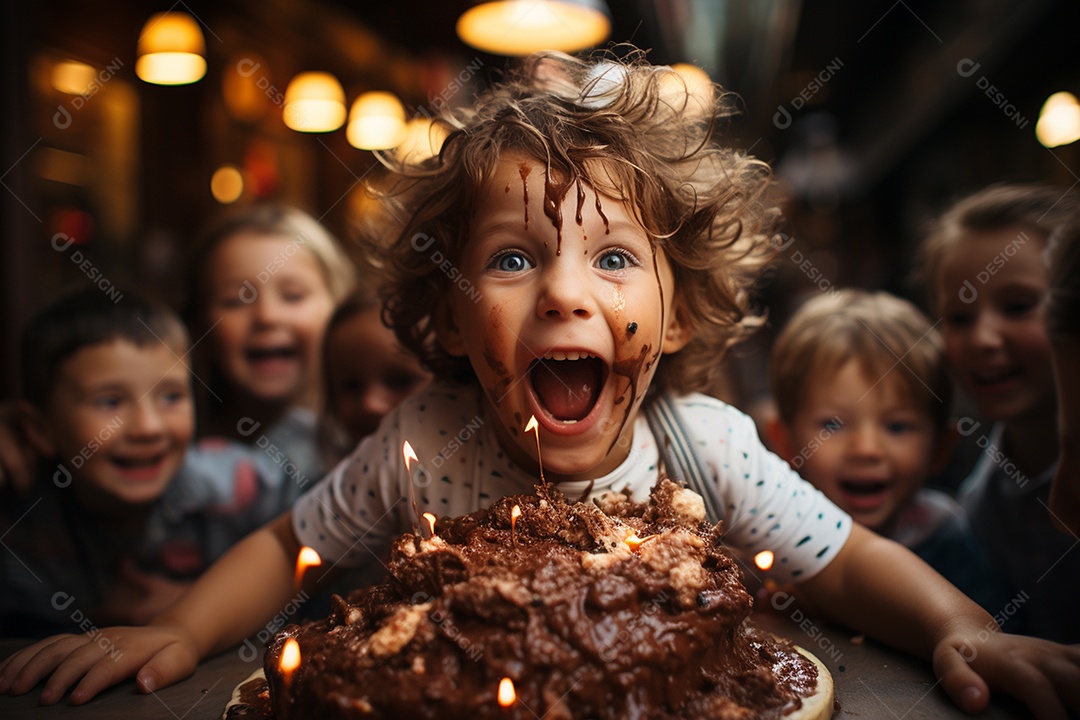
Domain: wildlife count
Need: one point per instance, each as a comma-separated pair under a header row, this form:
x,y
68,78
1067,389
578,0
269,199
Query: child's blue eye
x,y
898,427
175,397
614,260
511,262
108,403
832,424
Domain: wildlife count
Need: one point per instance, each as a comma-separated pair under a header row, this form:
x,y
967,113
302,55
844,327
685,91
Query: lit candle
x,y
515,513
507,695
764,559
535,427
634,542
431,522
307,557
410,457
290,660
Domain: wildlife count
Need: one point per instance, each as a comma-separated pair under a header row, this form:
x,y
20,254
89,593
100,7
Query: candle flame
x,y
535,427
764,559
634,542
515,513
507,696
307,557
408,454
431,522
290,657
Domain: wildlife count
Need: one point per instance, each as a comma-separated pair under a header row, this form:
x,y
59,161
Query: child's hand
x,y
161,655
1044,675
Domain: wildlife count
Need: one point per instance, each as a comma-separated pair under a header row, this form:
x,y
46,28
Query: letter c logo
x,y
61,118
782,118
968,293
246,426
62,601
967,67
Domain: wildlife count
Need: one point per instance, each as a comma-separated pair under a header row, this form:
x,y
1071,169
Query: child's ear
x,y
779,439
943,448
447,332
678,332
36,428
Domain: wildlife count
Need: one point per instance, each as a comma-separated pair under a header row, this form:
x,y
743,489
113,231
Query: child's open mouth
x,y
139,467
270,357
567,384
864,495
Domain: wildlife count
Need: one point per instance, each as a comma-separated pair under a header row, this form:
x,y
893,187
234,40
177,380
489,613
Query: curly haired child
x,y
579,247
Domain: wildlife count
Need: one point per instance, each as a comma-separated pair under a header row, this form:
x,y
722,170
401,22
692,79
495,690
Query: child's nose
x,y
986,331
565,292
146,420
267,309
377,400
865,442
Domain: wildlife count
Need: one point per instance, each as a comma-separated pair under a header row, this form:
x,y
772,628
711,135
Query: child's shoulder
x,y
699,408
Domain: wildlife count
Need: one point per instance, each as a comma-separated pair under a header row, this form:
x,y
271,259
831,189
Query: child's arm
x,y
878,587
229,602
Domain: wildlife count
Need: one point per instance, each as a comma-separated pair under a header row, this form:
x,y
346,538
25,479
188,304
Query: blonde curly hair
x,y
634,133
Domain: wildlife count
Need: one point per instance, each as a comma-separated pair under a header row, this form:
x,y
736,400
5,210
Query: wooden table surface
x,y
872,682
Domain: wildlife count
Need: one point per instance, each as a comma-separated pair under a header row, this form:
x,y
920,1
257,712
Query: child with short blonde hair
x,y
579,247
863,395
263,280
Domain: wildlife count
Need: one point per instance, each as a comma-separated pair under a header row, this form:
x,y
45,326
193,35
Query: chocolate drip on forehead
x,y
580,201
600,210
554,194
523,171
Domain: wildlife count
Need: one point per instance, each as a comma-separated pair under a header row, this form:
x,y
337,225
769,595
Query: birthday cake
x,y
538,607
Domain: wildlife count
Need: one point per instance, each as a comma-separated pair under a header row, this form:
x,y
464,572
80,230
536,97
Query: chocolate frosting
x,y
583,625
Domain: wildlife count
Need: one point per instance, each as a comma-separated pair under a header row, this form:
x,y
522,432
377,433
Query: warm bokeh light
x,y
72,77
522,27
376,122
171,50
764,559
227,184
507,694
696,85
1059,120
314,103
423,139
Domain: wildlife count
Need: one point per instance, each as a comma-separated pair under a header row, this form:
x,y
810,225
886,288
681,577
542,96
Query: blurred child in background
x,y
263,282
986,277
863,397
367,373
1063,326
117,524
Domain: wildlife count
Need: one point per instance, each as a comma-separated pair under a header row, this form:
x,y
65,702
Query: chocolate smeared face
x,y
555,274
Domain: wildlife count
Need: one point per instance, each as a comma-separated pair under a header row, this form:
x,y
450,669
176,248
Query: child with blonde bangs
x,y
580,251
863,396
263,281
